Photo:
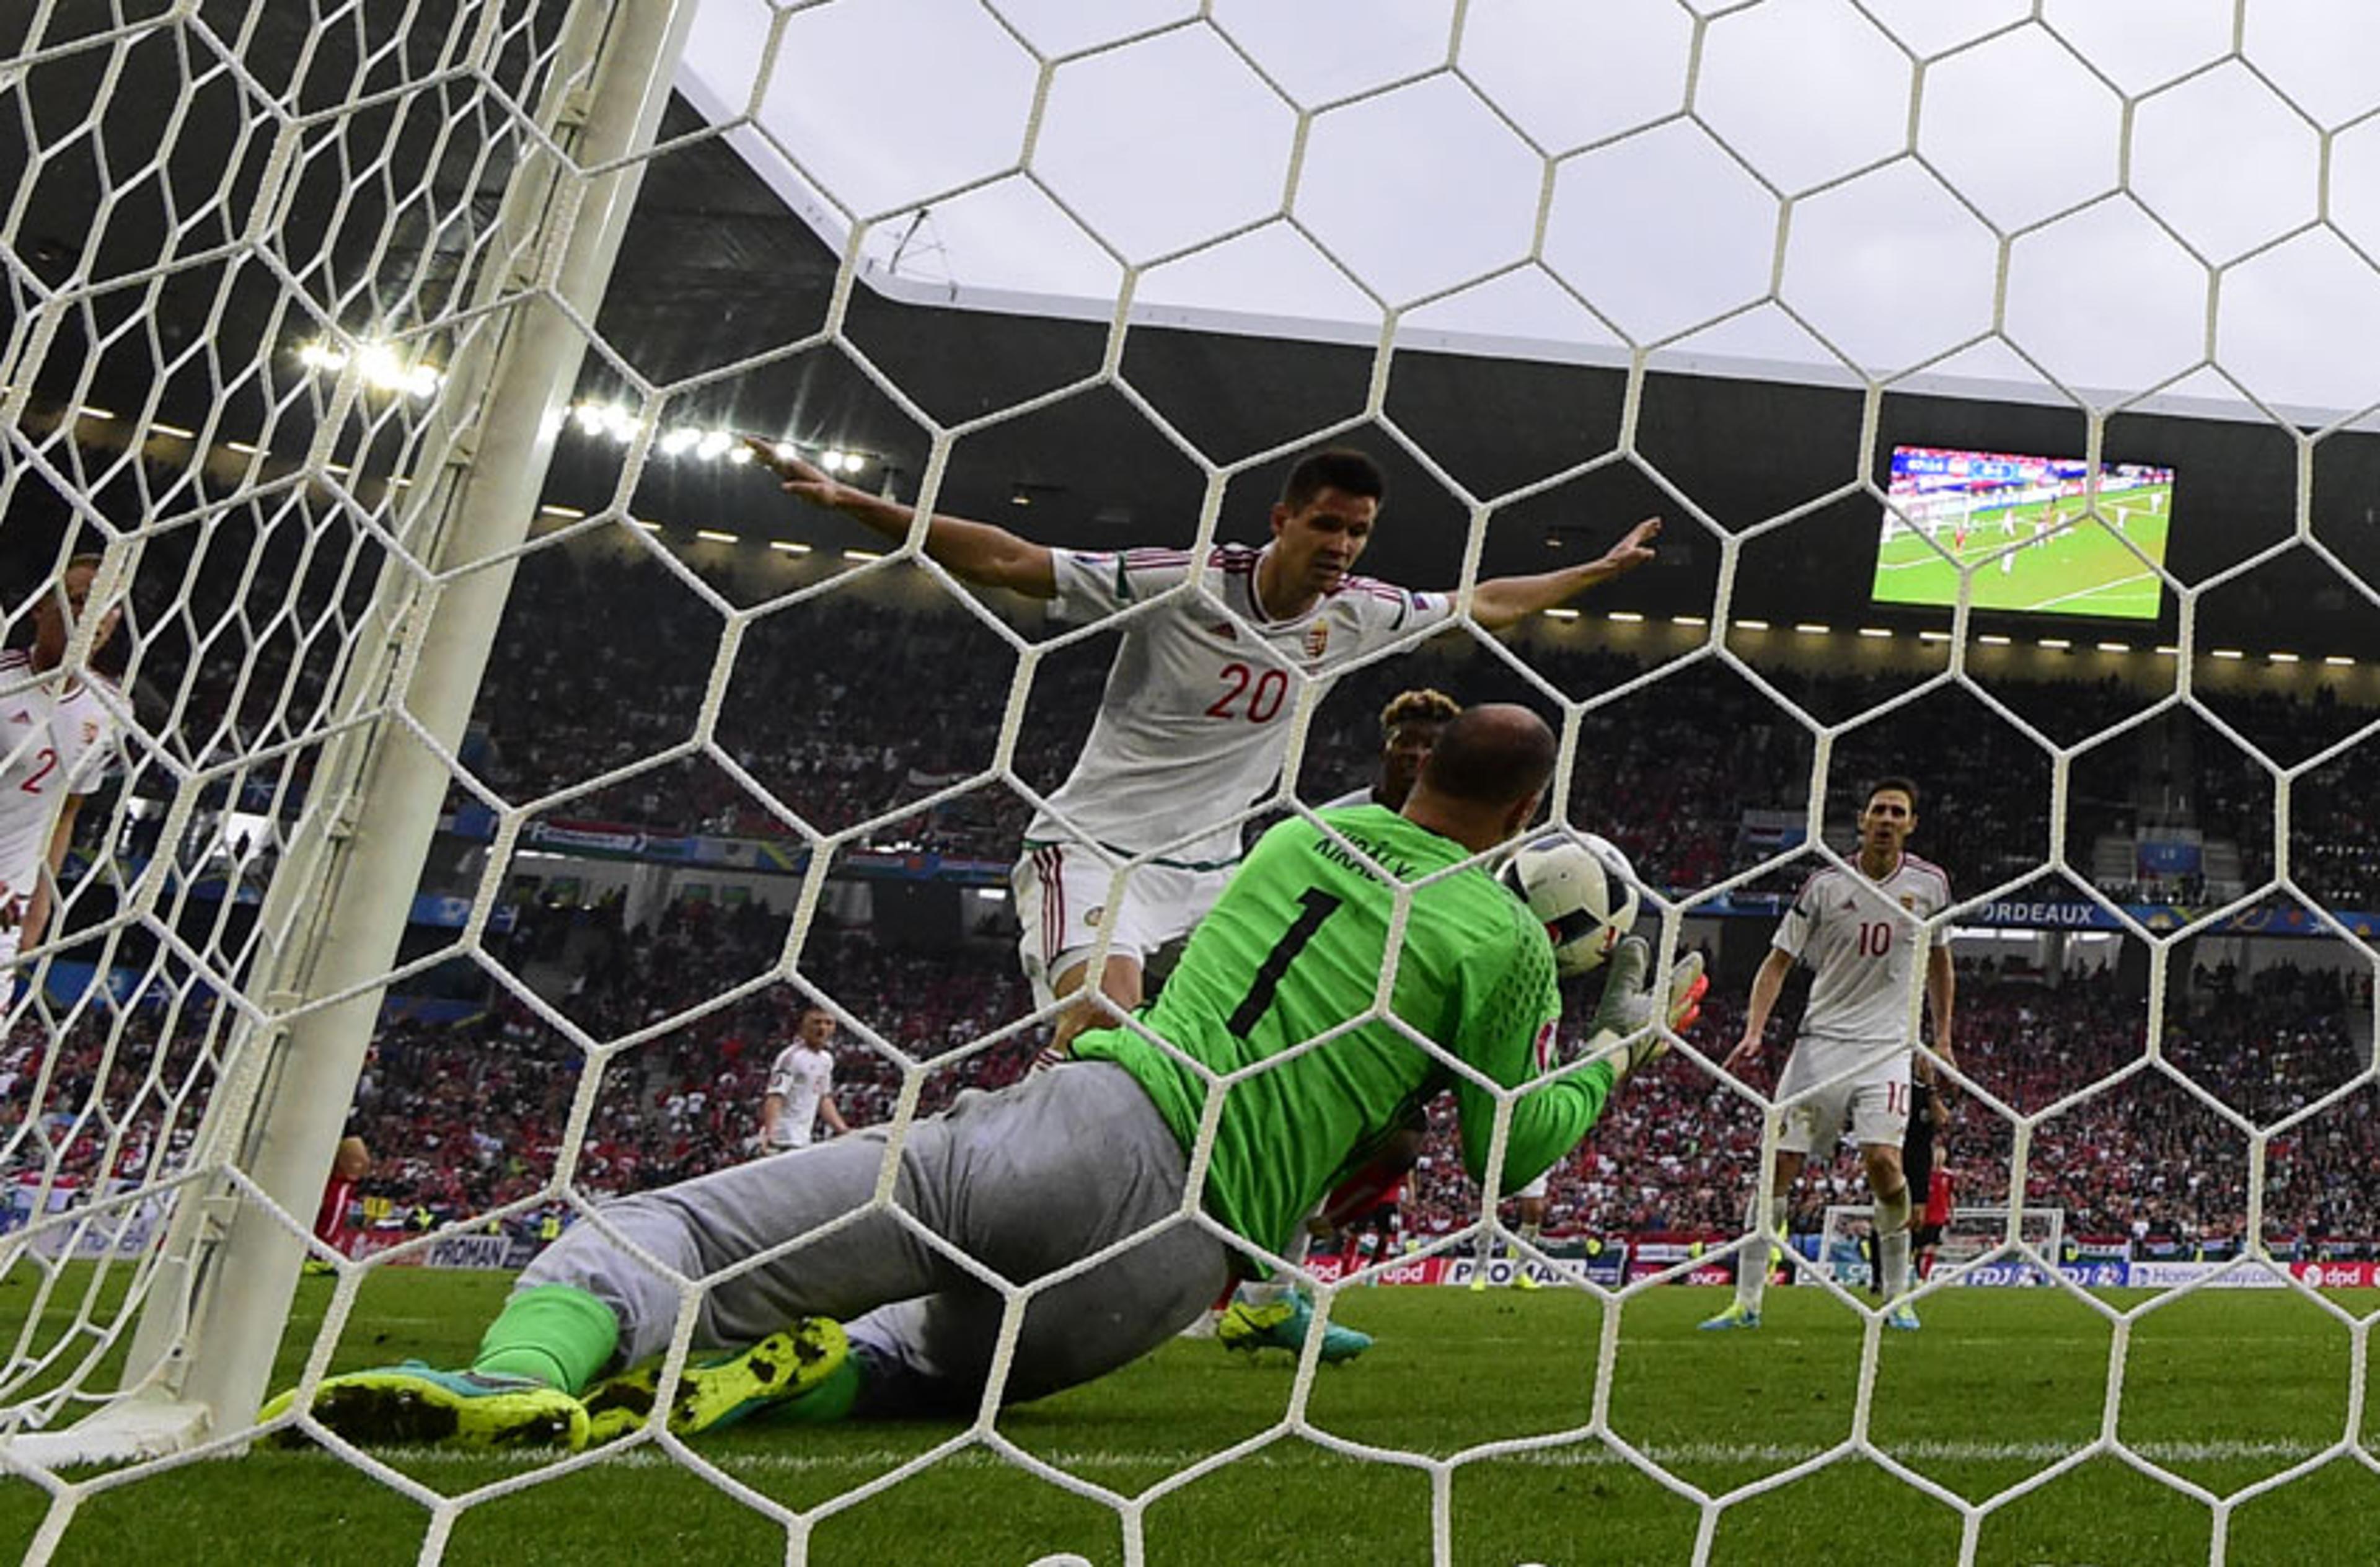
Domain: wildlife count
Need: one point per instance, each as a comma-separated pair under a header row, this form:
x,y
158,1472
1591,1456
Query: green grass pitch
x,y
2085,570
2222,1389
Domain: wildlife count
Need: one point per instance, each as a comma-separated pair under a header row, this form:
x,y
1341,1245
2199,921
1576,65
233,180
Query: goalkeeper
x,y
1032,1179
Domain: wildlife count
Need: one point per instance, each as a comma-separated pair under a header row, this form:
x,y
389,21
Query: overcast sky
x,y
1740,227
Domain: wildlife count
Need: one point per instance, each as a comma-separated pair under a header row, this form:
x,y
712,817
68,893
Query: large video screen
x,y
2022,523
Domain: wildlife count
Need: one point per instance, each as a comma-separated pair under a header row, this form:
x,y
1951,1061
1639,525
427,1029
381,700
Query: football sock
x,y
1280,1286
1892,1241
554,1334
1751,1262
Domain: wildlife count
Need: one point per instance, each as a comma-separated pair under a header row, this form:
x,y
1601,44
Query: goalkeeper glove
x,y
1627,1010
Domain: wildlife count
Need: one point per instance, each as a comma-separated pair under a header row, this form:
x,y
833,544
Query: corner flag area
x,y
2047,557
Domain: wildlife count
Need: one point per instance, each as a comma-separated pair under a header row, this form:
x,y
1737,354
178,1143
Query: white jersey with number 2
x,y
51,746
1861,938
1194,719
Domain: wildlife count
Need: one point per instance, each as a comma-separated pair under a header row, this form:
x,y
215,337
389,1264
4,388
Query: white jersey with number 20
x,y
1194,719
1861,938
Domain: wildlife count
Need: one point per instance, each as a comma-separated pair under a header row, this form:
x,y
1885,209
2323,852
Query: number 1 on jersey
x,y
1315,906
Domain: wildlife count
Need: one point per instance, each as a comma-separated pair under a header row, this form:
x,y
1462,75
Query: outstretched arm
x,y
1941,989
1767,986
1504,601
37,901
975,551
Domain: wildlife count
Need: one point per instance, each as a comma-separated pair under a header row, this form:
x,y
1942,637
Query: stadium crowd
x,y
465,1119
899,704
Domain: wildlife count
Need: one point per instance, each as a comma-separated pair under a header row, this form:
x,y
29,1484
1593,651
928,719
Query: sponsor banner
x,y
2098,1273
2009,1273
1330,1269
452,914
65,982
2037,913
470,1251
656,845
588,836
1499,1272
1722,1272
121,1228
2294,921
2167,1275
2337,1275
1663,1253
1607,1267
1604,1269
735,854
447,1251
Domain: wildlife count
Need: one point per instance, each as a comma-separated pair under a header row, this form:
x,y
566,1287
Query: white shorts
x,y
1063,897
1535,1190
1864,1083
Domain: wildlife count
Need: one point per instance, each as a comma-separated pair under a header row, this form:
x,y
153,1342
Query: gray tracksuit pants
x,y
1024,1181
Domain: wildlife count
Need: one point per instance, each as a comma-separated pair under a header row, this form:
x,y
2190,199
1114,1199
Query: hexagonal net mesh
x,y
426,789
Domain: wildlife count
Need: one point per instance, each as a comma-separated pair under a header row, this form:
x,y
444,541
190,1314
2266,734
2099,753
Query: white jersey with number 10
x,y
1194,719
1861,938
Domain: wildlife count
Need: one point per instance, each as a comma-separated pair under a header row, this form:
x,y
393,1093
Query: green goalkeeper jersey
x,y
1294,949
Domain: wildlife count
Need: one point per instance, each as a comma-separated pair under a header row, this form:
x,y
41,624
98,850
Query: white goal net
x,y
432,732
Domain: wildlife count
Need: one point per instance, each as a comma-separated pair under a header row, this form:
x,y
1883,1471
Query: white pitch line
x,y
1292,1454
2098,587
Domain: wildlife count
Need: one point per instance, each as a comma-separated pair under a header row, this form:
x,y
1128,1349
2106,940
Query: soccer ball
x,y
1582,888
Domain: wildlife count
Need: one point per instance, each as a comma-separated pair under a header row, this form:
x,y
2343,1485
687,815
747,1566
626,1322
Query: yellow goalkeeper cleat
x,y
1284,1324
718,1392
417,1405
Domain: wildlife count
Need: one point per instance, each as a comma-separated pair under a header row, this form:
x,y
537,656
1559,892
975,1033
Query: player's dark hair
x,y
1423,705
1342,468
1491,755
1891,781
115,658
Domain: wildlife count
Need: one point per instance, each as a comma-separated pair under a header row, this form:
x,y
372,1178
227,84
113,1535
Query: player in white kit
x,y
55,737
1194,723
1860,930
801,1087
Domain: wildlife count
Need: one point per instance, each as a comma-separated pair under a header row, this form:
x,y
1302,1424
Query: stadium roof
x,y
1568,182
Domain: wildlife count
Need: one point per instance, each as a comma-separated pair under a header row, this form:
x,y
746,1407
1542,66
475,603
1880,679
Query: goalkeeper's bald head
x,y
1486,775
